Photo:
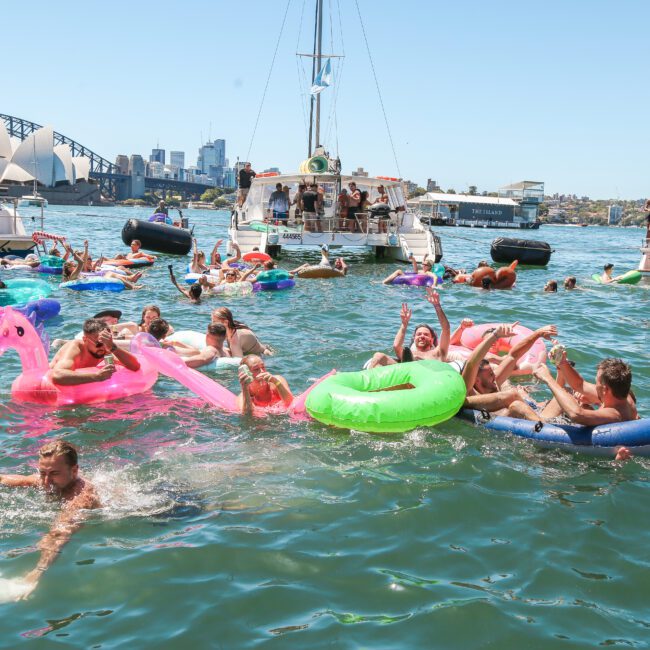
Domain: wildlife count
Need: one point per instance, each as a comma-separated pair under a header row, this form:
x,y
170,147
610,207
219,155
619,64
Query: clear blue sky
x,y
481,93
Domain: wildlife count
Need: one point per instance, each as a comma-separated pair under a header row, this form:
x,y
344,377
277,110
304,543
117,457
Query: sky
x,y
474,92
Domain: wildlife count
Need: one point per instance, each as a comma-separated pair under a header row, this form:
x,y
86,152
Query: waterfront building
x,y
432,186
360,172
515,207
229,177
137,171
122,164
614,214
157,155
212,159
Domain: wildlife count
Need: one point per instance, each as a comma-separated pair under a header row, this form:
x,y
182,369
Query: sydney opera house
x,y
60,177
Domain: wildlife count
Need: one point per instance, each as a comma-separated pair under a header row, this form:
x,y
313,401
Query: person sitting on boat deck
x,y
215,339
606,277
570,282
137,254
485,383
425,343
193,293
550,286
96,343
241,339
310,208
57,476
427,266
30,260
278,208
246,175
611,394
259,387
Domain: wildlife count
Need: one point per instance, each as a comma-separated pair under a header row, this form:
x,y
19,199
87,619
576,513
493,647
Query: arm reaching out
x,y
445,330
398,342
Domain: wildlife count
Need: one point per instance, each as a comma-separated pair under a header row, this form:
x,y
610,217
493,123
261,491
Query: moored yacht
x,y
14,239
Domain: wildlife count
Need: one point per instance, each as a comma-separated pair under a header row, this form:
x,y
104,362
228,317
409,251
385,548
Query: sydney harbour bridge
x,y
103,171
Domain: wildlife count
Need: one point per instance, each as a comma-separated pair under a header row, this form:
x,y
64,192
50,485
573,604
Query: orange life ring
x,y
256,256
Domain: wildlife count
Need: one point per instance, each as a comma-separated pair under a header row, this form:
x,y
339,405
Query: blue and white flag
x,y
323,79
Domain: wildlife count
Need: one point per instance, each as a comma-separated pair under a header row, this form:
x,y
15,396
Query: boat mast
x,y
319,57
315,68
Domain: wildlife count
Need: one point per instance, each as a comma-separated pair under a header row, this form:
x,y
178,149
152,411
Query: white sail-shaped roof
x,y
16,173
35,155
5,148
63,167
81,167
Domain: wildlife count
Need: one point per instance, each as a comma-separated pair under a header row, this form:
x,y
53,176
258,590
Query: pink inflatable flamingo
x,y
35,384
169,363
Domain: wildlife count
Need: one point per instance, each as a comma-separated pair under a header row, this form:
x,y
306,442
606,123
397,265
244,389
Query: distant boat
x,y
33,200
14,239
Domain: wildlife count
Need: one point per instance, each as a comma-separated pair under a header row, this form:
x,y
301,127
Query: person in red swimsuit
x,y
259,387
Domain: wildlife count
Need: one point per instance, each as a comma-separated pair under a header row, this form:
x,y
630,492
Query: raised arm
x,y
433,297
237,255
398,342
175,283
245,399
576,380
518,350
249,272
458,332
215,251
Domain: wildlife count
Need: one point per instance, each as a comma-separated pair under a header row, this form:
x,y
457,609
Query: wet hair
x,y
158,328
94,326
137,242
551,286
2,285
433,333
68,268
60,448
486,282
269,265
617,376
196,291
216,329
251,358
147,308
226,314
570,282
481,264
607,267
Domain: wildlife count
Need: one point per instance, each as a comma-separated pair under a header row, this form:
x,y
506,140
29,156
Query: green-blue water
x,y
218,532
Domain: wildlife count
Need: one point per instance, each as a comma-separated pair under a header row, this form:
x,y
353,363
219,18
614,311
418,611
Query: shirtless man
x,y
610,393
215,339
137,254
58,475
96,343
425,343
485,389
259,387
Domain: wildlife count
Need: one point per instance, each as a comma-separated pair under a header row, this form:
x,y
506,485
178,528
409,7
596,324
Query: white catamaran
x,y
386,226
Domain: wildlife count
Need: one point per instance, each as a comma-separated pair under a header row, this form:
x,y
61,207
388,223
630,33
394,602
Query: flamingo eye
x,y
20,331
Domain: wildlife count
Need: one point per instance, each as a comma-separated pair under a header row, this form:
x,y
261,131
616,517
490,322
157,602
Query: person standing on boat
x,y
354,201
297,201
246,176
342,201
311,209
646,207
162,208
279,205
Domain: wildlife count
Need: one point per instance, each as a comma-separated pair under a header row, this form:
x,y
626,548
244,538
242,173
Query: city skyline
x,y
474,95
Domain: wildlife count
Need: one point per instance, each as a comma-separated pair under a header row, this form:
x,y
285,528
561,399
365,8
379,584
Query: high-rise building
x,y
212,156
360,172
122,164
614,214
432,186
157,155
177,158
136,169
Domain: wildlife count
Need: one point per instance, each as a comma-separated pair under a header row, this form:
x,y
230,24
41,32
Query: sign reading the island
x,y
485,212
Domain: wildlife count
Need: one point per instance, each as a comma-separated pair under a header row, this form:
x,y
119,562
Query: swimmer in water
x,y
58,476
193,293
606,277
259,387
427,266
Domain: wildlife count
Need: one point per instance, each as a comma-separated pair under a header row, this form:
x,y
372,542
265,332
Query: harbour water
x,y
226,533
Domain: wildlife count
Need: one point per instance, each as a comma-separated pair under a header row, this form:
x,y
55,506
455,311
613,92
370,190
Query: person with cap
x,y
109,316
87,352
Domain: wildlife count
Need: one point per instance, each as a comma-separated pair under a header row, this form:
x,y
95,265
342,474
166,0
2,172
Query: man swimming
x,y
58,476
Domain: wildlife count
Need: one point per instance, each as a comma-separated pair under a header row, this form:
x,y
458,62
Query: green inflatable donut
x,y
631,277
272,276
21,291
389,399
